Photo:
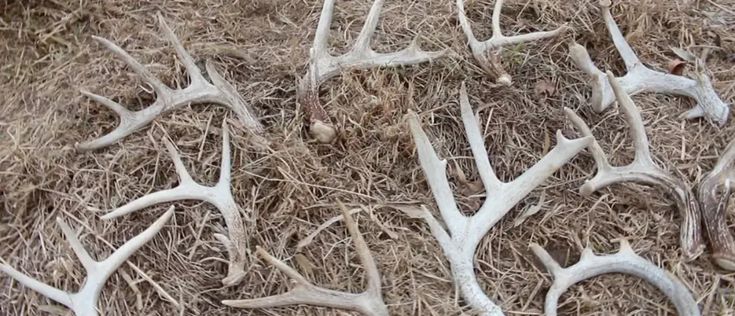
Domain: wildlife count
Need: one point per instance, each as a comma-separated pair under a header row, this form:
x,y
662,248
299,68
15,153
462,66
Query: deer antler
x,y
463,234
625,261
218,195
323,65
643,170
714,196
494,45
641,78
84,302
167,99
369,302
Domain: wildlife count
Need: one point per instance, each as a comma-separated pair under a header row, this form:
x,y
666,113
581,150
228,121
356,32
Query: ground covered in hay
x,y
47,55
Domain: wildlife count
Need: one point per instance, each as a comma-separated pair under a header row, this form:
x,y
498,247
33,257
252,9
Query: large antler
x,y
641,78
323,65
84,302
488,53
218,195
625,261
463,234
643,170
714,196
369,302
167,99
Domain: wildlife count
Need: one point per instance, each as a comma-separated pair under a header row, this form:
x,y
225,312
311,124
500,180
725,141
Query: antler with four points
x,y
714,195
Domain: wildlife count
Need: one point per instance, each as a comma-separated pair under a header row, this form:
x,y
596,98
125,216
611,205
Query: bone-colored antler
x,y
641,78
369,303
714,195
643,170
625,261
323,65
463,234
218,195
84,302
488,53
167,99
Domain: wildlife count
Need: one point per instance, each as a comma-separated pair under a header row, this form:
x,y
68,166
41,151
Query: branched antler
x,y
625,261
369,302
463,234
641,78
714,195
218,195
323,65
488,53
199,91
84,302
643,170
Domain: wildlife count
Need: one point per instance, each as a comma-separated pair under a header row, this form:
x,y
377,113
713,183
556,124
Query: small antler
x,y
487,53
322,65
369,302
84,302
218,195
643,170
625,261
641,78
463,234
199,91
714,196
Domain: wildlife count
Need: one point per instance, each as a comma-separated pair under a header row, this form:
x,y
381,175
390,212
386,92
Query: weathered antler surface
x,y
643,170
218,195
463,234
641,78
369,302
322,65
714,195
167,99
625,261
84,302
488,53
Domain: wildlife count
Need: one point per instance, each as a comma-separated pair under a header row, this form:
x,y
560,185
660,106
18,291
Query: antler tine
x,y
369,302
219,195
463,234
84,302
714,196
195,74
626,261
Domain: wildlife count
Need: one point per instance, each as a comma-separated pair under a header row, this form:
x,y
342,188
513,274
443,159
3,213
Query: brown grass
x,y
46,55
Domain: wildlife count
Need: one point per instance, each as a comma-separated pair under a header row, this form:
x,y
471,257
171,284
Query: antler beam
x,y
323,66
714,195
199,91
84,302
460,239
219,195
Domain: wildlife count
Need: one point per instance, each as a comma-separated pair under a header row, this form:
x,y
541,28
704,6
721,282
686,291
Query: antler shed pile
x,y
423,236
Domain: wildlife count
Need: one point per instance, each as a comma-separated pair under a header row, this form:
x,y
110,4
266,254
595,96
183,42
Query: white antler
x,y
625,261
641,78
369,302
643,170
218,195
714,195
492,47
323,65
199,91
84,302
462,235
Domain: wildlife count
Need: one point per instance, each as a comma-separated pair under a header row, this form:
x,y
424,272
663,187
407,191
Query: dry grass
x,y
46,55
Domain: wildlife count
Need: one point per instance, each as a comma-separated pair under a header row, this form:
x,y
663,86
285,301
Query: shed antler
x,y
488,53
370,302
218,195
199,91
625,261
463,234
641,78
323,65
643,170
714,196
84,302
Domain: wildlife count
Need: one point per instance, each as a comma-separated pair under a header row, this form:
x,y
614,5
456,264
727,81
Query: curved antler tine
x,y
195,74
158,86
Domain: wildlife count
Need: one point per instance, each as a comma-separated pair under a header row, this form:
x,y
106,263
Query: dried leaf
x,y
544,88
304,264
677,66
684,54
531,210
